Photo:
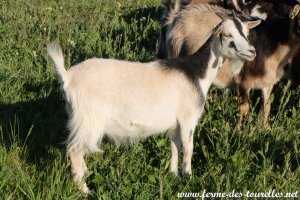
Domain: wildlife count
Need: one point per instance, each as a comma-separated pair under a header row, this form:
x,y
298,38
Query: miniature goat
x,y
122,99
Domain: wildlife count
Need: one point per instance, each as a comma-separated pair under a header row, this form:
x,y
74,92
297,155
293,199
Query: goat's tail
x,y
56,54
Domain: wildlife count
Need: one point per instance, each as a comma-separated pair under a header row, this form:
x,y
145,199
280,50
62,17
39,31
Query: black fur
x,y
168,5
232,45
162,49
185,2
273,8
266,39
193,66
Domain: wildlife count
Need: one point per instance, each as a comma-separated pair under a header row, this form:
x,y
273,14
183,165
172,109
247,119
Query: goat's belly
x,y
138,127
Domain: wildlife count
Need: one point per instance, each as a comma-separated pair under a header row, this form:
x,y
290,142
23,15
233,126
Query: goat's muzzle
x,y
249,55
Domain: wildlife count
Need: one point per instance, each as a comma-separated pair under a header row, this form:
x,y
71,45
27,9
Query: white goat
x,y
134,100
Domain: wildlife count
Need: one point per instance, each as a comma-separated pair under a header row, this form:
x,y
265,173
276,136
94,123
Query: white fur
x,y
126,100
236,66
211,74
256,13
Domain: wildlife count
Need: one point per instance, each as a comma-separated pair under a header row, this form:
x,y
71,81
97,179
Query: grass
x,y
33,163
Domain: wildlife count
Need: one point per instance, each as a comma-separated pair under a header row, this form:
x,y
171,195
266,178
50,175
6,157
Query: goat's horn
x,y
294,12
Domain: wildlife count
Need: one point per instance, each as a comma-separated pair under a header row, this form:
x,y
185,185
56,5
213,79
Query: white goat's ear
x,y
252,24
222,15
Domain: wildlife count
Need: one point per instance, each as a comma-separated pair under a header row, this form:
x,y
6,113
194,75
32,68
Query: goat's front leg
x,y
175,151
187,137
188,121
243,100
78,168
188,147
267,91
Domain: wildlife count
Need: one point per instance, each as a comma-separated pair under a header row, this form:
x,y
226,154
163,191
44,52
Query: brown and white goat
x,y
276,40
122,99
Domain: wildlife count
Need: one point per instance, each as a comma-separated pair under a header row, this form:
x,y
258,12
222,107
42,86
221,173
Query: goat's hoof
x,y
84,188
187,174
239,127
267,127
186,177
174,173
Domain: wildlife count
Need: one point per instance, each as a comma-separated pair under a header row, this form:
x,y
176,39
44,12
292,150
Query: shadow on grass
x,y
37,124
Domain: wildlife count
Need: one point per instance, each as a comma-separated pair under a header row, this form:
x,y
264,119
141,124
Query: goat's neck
x,y
235,65
214,62
200,68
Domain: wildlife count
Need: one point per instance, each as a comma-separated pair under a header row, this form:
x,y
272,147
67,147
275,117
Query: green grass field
x,y
33,163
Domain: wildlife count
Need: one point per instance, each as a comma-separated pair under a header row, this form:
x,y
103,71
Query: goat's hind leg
x,y
267,91
78,168
243,99
84,138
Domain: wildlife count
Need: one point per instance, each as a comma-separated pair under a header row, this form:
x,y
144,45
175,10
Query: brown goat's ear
x,y
222,15
252,24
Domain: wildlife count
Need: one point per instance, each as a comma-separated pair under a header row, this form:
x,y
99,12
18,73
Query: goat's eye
x,y
227,35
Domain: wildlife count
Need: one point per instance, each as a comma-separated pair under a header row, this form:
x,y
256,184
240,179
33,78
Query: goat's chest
x,y
272,69
274,65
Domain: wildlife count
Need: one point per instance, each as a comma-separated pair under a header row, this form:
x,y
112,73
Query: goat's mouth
x,y
248,57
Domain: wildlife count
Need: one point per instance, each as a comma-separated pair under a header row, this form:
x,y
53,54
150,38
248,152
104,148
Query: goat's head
x,y
234,37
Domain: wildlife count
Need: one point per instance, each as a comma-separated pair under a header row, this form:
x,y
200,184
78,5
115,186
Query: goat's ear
x,y
252,24
222,15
